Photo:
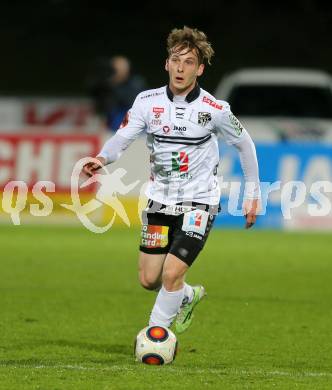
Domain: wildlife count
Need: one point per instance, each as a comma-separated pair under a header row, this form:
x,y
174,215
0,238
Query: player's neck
x,y
180,92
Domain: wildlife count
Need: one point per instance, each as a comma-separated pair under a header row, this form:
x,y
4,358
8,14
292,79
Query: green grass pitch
x,y
71,305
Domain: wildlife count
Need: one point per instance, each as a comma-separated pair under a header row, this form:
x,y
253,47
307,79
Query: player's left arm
x,y
247,153
235,134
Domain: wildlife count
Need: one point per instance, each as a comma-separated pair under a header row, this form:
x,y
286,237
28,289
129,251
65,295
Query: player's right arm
x,y
91,167
132,126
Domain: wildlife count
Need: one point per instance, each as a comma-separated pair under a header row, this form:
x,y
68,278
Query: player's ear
x,y
200,70
166,65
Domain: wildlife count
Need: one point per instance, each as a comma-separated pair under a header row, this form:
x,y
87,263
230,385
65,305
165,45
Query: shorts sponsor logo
x,y
195,222
175,209
154,236
195,219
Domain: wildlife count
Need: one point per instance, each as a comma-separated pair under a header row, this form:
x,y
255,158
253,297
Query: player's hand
x,y
91,167
251,208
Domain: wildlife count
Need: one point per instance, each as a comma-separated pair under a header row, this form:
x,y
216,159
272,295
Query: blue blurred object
x,y
280,162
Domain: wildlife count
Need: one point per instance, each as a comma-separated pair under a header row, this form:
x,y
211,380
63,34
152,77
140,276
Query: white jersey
x,y
182,138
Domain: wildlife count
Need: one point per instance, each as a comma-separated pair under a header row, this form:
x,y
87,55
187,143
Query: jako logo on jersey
x,y
211,103
179,128
166,129
195,219
180,161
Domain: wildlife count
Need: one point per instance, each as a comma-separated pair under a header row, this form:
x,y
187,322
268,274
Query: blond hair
x,y
191,39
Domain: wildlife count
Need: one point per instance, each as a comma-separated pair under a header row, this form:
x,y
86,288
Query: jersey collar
x,y
192,95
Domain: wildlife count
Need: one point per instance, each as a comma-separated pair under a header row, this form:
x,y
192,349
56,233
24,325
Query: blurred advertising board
x,y
54,115
296,182
37,157
39,166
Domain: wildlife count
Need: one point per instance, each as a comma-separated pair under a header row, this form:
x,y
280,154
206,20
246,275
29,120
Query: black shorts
x,y
182,235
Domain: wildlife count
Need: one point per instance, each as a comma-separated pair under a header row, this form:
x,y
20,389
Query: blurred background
x,y
71,69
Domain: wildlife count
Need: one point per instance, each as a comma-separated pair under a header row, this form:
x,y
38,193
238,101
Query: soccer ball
x,y
155,345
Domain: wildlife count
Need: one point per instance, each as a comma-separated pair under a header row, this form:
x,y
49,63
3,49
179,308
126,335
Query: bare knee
x,y
172,280
173,273
149,281
150,269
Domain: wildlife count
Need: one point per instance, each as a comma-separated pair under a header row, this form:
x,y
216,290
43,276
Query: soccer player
x,y
182,122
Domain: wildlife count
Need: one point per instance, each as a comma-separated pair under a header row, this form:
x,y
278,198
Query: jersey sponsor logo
x,y
155,122
154,236
158,110
236,124
211,103
166,129
152,94
195,222
179,128
204,118
180,162
180,166
179,175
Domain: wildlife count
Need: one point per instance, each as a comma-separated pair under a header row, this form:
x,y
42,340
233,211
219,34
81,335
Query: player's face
x,y
183,68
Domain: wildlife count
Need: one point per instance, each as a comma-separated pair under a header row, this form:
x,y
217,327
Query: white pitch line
x,y
182,370
284,373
